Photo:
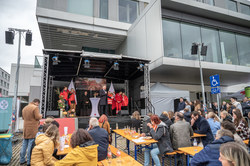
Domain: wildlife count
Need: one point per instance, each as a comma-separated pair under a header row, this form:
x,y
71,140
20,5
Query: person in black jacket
x,y
85,105
245,106
164,118
187,115
100,136
225,116
159,132
201,126
103,101
181,105
136,120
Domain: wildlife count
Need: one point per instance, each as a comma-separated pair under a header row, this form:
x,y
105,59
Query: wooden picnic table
x,y
67,149
195,135
125,161
246,141
137,143
190,151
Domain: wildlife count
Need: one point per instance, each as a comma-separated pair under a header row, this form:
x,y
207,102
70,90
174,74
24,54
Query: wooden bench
x,y
169,155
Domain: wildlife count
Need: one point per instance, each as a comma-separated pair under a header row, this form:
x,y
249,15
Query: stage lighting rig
x,y
55,60
140,67
86,63
116,66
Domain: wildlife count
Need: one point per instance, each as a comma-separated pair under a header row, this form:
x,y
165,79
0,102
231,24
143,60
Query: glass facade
x,y
128,11
172,38
81,7
103,9
222,46
232,5
244,9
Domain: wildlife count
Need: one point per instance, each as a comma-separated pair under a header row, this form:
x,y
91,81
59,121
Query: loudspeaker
x,y
203,50
28,38
124,112
194,49
9,37
55,113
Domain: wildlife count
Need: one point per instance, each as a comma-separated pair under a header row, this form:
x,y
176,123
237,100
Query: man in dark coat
x,y
100,136
103,100
201,126
245,106
85,104
181,105
209,156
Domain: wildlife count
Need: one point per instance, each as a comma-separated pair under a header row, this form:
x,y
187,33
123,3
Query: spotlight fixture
x,y
28,38
116,66
9,37
140,67
194,49
86,63
55,60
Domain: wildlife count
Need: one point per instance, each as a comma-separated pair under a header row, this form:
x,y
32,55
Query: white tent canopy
x,y
162,97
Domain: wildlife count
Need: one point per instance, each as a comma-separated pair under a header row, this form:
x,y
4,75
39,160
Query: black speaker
x,y
124,113
203,50
28,38
9,37
194,49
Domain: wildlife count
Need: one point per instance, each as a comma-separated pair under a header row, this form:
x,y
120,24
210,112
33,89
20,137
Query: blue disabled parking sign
x,y
215,80
215,90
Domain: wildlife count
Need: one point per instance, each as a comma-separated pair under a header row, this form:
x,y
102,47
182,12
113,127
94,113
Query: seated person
x,y
45,145
164,117
214,122
100,136
136,120
201,126
187,115
209,156
84,150
159,132
225,116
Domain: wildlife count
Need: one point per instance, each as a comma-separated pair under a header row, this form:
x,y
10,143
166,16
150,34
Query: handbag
x,y
110,135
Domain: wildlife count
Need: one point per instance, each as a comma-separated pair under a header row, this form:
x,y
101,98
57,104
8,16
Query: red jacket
x,y
110,99
65,94
125,101
72,98
118,97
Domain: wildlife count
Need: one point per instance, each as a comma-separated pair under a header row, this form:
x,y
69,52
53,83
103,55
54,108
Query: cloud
x,y
19,14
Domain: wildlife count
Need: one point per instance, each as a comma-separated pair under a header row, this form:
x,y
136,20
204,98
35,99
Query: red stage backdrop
x,y
64,122
90,83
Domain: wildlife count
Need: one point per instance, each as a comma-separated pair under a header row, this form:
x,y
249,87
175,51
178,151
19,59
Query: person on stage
x,y
86,104
118,99
110,102
65,94
72,101
103,100
124,100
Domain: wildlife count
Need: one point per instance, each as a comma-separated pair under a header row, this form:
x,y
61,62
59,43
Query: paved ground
x,y
121,142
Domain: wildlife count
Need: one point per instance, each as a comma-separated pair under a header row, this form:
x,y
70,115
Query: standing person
x,y
180,132
85,104
214,122
240,124
209,155
103,100
124,100
110,103
181,105
72,101
45,145
232,154
100,137
84,150
236,104
31,117
65,94
159,132
136,120
245,106
118,99
201,126
197,105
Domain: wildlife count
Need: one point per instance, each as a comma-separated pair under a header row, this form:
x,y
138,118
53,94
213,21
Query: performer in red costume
x,y
72,101
65,94
118,99
124,100
110,102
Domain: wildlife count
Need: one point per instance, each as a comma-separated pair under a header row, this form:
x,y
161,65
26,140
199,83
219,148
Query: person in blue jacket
x,y
209,156
181,104
201,126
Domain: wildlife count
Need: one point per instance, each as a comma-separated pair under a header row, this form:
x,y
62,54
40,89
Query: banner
x,y
5,113
112,89
94,84
71,86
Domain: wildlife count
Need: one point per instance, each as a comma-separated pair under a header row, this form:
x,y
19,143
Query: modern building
x,y
4,83
160,30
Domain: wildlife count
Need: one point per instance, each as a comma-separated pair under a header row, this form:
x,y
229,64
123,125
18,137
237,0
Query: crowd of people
x,y
223,143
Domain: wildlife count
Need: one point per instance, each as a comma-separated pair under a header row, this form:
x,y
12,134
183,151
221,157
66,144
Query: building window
x,y
243,43
8,78
1,82
190,34
228,48
171,39
128,11
83,7
5,84
245,9
232,5
210,37
2,74
104,9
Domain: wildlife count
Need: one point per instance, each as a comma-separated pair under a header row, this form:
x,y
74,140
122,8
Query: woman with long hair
x,y
214,122
164,117
45,145
84,150
104,123
171,116
197,105
136,120
240,124
234,154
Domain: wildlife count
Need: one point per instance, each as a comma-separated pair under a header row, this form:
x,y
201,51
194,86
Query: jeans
x,y
154,153
27,145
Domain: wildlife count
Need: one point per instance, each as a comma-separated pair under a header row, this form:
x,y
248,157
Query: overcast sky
x,y
19,14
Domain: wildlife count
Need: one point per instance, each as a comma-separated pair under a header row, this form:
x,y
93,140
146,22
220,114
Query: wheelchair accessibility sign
x,y
215,90
215,80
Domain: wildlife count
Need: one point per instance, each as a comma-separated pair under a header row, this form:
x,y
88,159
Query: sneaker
x,y
23,163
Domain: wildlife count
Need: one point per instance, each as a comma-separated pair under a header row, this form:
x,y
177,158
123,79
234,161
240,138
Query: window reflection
x,y
83,7
104,9
244,9
231,5
243,43
128,11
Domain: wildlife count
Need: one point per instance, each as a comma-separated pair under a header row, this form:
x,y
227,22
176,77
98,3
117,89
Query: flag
x,y
111,88
71,85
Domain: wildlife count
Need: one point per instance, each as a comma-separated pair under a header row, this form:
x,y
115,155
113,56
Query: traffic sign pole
x,y
202,82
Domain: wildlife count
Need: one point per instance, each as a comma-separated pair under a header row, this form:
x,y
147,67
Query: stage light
x,y
194,49
86,63
55,60
28,38
203,50
9,37
140,67
116,66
